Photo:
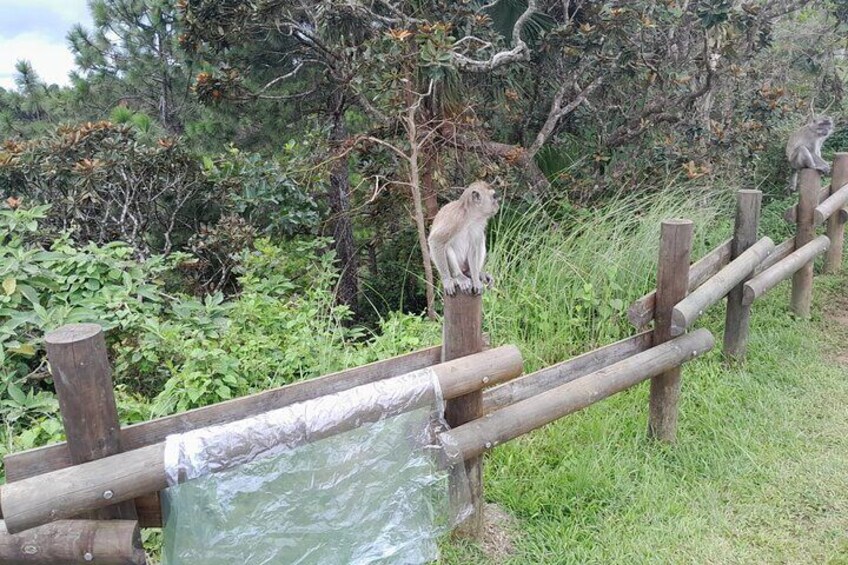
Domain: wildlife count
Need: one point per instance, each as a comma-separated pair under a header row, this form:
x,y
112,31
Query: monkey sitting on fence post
x,y
458,239
803,150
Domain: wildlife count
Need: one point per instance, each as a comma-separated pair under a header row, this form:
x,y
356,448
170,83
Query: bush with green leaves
x,y
284,327
261,191
49,283
171,352
46,286
105,185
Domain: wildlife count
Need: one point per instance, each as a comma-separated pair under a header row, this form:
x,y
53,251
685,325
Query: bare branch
x,y
519,51
664,110
558,111
281,78
385,144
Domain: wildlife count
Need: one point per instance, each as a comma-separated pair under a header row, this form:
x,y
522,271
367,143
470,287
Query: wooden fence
x,y
85,499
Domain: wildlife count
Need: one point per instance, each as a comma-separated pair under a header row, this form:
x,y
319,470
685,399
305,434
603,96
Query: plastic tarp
x,y
352,477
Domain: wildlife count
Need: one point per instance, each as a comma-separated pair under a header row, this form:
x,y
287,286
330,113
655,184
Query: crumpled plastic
x,y
358,476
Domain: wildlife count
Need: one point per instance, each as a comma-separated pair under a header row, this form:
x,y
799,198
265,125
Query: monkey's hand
x,y
824,169
487,280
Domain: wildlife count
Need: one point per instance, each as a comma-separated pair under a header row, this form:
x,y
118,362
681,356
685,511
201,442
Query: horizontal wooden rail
x,y
771,277
780,252
693,306
791,214
830,206
561,373
53,457
74,542
641,312
508,423
68,492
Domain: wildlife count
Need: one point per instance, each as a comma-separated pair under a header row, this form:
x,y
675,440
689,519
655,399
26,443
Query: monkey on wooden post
x,y
458,239
804,147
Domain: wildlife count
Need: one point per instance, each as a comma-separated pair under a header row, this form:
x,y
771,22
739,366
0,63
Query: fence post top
x,y
749,191
72,333
678,222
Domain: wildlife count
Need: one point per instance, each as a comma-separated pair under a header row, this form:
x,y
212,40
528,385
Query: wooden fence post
x,y
83,380
672,283
738,315
462,334
809,182
836,223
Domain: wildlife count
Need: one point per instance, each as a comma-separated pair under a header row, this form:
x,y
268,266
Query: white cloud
x,y
35,30
52,61
71,11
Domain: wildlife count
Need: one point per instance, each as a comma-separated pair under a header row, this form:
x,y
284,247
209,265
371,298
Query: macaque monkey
x,y
458,239
804,147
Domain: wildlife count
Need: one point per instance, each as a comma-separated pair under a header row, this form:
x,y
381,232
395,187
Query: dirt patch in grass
x,y
500,535
836,312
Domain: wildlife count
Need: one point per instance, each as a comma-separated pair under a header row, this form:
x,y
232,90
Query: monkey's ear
x,y
475,195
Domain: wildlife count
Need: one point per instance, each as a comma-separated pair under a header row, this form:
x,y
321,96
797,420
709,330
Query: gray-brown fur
x,y
458,239
803,150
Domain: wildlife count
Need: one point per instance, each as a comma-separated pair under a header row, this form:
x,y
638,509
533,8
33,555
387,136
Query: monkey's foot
x,y
449,286
463,283
824,169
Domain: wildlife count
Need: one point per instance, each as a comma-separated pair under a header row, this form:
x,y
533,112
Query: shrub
x,y
104,185
172,352
262,192
44,287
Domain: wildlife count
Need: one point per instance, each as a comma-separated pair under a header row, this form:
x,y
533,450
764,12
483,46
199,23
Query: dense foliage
x,y
104,185
172,351
240,191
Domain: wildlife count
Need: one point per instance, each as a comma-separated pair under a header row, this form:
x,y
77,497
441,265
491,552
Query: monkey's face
x,y
484,198
823,126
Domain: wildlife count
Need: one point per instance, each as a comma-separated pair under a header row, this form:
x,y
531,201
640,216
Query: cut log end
x,y
72,333
748,295
638,316
679,324
679,222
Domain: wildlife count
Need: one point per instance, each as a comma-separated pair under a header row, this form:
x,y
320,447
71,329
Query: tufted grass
x,y
760,470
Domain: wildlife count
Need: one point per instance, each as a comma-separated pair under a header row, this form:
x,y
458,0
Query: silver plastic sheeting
x,y
353,477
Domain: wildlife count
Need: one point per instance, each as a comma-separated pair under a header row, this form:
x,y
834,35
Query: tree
x,y
134,51
33,90
496,87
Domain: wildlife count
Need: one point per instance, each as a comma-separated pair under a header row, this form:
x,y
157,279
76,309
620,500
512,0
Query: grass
x,y
760,470
563,289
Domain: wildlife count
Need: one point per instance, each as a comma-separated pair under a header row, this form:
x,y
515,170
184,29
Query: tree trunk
x,y
417,201
429,157
339,199
428,183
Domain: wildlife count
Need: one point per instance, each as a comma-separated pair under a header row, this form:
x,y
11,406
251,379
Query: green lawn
x,y
759,473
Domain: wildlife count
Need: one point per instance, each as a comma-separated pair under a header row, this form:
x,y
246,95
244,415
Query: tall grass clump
x,y
563,288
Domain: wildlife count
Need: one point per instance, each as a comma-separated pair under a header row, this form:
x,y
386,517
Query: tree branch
x,y
519,51
558,111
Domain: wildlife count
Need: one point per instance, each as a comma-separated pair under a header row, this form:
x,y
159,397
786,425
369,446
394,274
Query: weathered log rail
x,y
100,483
114,474
500,426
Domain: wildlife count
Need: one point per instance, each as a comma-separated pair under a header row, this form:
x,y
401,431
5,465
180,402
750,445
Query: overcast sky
x,y
35,30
